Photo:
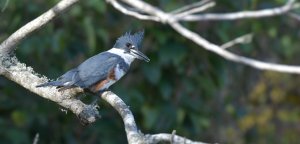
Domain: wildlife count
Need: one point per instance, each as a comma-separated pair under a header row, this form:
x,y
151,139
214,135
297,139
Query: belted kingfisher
x,y
99,72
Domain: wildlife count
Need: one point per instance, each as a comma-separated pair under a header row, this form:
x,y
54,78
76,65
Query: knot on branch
x,y
89,114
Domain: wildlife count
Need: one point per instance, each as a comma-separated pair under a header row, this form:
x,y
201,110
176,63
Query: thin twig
x,y
5,5
190,6
240,40
294,16
244,14
36,138
172,137
195,10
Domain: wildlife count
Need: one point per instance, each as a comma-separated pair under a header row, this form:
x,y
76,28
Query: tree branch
x,y
240,40
134,136
230,56
36,138
168,18
242,15
13,40
18,72
191,6
5,5
128,12
25,76
195,10
164,137
294,16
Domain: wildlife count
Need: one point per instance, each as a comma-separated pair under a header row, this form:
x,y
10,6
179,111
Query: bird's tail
x,y
53,83
66,80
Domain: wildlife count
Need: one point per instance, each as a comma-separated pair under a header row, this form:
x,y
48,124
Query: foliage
x,y
184,87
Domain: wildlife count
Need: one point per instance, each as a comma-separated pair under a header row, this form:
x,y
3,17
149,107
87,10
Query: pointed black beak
x,y
138,54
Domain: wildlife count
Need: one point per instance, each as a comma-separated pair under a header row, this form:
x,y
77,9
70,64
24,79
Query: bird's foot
x,y
98,95
95,102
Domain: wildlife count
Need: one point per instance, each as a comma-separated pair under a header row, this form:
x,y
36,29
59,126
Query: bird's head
x,y
131,43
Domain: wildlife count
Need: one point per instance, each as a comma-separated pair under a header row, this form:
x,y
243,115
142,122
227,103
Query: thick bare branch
x,y
13,40
26,77
3,71
18,72
134,136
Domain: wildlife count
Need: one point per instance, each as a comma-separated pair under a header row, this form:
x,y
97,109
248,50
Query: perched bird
x,y
99,72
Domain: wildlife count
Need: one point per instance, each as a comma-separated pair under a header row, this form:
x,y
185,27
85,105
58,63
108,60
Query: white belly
x,y
119,72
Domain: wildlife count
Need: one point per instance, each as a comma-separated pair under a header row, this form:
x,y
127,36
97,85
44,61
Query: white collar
x,y
128,58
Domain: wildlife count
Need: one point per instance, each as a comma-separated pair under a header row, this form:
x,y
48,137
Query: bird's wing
x,y
96,69
66,80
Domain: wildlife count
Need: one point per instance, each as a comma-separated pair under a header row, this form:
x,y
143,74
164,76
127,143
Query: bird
x,y
99,72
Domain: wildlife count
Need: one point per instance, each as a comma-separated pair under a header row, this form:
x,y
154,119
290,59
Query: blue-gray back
x,y
97,68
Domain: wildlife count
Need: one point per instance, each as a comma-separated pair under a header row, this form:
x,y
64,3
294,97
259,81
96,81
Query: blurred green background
x,y
199,94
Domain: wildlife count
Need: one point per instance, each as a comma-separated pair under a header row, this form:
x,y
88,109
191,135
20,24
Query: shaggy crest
x,y
135,39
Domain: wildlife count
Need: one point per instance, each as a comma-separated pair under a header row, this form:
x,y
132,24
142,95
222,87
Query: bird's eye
x,y
128,45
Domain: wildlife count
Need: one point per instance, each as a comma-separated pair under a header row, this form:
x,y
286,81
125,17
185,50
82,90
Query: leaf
x,y
180,116
19,118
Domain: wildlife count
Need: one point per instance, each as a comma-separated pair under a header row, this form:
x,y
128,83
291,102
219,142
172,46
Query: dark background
x,y
184,87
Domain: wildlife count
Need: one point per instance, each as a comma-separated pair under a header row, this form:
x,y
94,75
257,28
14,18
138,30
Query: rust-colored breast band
x,y
99,85
112,74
